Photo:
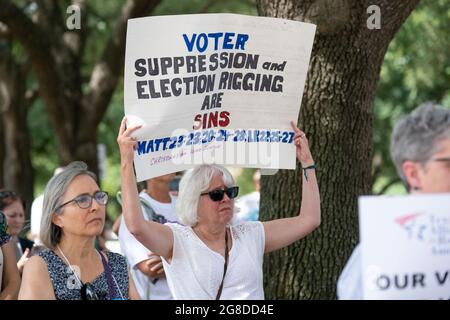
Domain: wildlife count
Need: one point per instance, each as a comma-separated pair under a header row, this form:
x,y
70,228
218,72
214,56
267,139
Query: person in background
x,y
72,268
9,274
147,270
206,258
249,204
174,185
36,213
14,208
420,150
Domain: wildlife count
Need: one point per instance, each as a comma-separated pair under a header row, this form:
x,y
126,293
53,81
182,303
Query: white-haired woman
x,y
72,268
207,258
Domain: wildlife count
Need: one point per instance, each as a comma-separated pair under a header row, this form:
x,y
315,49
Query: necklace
x,y
70,266
79,280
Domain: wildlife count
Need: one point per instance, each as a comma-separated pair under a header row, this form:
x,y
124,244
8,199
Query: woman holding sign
x,y
208,258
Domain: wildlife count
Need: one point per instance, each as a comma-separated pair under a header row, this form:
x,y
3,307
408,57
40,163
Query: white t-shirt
x,y
36,215
196,271
135,253
349,285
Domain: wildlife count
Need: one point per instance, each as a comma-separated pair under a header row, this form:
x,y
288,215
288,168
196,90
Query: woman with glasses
x,y
14,208
72,268
207,258
9,275
420,150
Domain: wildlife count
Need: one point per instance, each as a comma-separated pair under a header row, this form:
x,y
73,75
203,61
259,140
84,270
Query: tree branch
x,y
109,68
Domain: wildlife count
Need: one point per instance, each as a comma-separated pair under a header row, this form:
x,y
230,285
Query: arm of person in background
x,y
138,256
36,283
132,292
282,232
11,276
116,225
23,259
156,237
152,267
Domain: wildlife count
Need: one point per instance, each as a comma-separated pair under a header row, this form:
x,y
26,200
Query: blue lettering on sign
x,y
219,41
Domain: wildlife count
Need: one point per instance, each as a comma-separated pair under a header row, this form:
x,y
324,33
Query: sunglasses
x,y
218,194
84,201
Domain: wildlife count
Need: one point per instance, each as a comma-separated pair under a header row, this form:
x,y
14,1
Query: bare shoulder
x,y
36,264
36,283
36,271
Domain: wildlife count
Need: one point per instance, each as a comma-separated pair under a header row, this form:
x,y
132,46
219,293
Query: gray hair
x,y
50,233
415,137
192,184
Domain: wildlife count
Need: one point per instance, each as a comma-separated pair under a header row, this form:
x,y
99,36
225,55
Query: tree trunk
x,y
17,169
336,115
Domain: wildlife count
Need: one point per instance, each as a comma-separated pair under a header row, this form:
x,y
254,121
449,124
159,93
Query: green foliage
x,y
206,6
245,181
43,146
416,69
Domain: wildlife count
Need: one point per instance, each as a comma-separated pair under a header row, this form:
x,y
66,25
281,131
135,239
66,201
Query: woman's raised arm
x,y
157,237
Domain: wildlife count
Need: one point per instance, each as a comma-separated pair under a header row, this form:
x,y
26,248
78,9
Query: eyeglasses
x,y
218,194
445,159
84,201
88,293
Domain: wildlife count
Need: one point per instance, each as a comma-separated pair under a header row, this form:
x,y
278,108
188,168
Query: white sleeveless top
x,y
196,271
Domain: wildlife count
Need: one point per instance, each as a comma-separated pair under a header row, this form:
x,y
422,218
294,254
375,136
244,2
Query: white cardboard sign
x,y
214,88
405,246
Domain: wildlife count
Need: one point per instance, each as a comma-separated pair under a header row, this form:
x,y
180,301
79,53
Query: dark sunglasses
x,y
84,201
218,194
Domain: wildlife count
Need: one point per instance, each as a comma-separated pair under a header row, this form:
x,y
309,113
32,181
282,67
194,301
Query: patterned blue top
x,y
66,286
4,235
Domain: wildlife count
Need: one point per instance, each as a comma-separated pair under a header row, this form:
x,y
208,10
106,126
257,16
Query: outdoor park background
x,y
61,96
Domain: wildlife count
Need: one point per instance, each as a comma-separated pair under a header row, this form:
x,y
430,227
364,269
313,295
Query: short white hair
x,y
194,182
416,136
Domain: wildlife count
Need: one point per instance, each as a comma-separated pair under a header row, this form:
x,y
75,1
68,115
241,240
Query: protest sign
x,y
405,243
214,88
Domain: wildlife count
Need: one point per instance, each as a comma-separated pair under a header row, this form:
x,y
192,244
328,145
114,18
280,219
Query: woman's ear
x,y
57,220
411,172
